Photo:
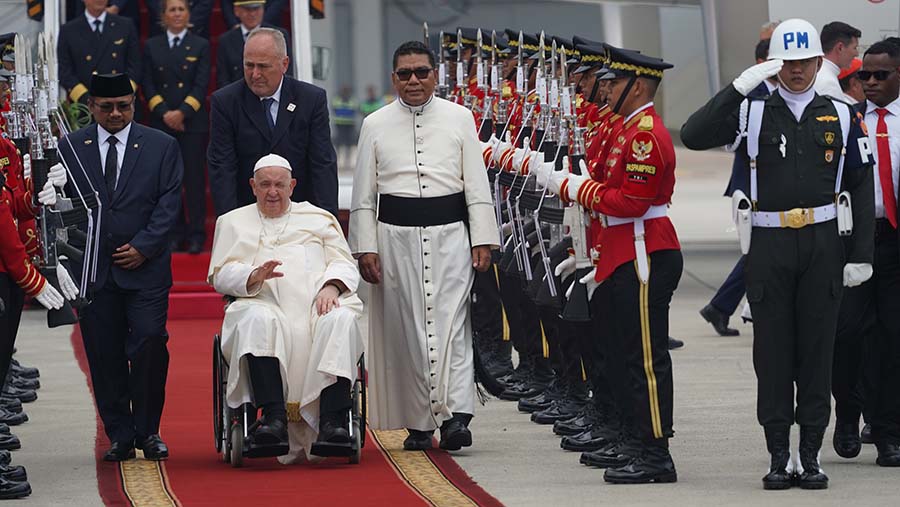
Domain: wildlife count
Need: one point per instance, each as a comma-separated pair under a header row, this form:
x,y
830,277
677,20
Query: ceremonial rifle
x,y
577,308
443,88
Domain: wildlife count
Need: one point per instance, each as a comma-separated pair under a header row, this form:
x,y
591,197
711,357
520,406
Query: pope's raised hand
x,y
264,272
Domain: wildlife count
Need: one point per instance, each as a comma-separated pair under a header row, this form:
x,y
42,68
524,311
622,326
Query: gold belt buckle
x,y
796,218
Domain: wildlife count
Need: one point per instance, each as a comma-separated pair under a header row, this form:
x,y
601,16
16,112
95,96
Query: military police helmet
x,y
795,39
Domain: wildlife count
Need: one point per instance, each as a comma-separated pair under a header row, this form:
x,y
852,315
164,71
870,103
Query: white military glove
x,y
565,268
47,196
57,175
501,148
26,165
752,77
66,284
575,182
506,228
519,157
587,280
541,170
856,274
50,298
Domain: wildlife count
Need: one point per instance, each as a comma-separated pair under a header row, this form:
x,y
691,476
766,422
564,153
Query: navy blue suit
x,y
729,295
124,327
240,135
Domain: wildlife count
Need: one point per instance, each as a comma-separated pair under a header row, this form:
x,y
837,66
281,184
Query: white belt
x,y
640,247
796,218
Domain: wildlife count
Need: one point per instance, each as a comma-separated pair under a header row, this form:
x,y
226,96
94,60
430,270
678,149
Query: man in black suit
x,y
137,172
230,56
96,43
270,112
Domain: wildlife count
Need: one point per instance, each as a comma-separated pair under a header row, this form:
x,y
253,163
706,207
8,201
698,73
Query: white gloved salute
x,y
752,77
66,284
856,274
47,196
57,175
50,298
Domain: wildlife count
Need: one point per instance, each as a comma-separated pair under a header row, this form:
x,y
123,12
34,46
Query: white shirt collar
x,y
172,36
638,110
121,136
415,109
277,94
831,66
770,86
90,19
245,30
893,107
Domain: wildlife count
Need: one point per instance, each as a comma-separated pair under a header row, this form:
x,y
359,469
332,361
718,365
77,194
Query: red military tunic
x,y
20,196
13,259
641,174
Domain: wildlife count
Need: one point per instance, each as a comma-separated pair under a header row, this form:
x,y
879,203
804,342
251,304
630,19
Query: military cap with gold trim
x,y
250,4
627,63
529,42
592,57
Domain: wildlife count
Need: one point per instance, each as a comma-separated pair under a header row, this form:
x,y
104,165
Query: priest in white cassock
x,y
292,334
421,219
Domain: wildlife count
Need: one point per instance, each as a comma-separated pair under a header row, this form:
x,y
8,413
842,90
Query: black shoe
x,y
718,320
10,442
24,395
22,382
653,465
5,458
269,431
11,404
558,410
12,418
888,455
13,489
675,343
846,439
119,451
195,247
19,370
778,443
865,436
590,440
812,476
154,448
417,441
4,429
526,389
554,391
15,473
455,435
617,454
575,425
333,428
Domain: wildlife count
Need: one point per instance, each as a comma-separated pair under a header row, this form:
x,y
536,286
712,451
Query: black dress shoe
x,y
195,247
119,451
526,389
333,432
653,465
12,418
718,320
591,440
455,435
11,404
865,436
23,383
558,410
13,489
15,473
675,343
24,395
617,454
20,370
154,448
417,441
888,455
846,441
540,401
5,458
4,429
9,442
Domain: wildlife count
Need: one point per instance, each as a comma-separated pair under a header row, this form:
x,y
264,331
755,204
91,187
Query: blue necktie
x,y
267,108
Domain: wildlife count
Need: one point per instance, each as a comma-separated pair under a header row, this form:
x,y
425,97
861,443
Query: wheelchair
x,y
232,427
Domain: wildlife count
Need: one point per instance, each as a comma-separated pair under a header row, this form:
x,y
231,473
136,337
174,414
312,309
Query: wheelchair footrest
x,y
330,450
264,451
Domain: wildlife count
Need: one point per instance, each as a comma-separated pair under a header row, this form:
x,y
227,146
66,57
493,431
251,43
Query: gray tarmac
x,y
719,449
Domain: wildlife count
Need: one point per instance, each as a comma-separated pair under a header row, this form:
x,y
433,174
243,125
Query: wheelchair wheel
x,y
226,442
218,417
363,406
237,445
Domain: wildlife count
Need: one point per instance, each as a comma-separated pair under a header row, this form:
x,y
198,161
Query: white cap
x,y
272,160
795,39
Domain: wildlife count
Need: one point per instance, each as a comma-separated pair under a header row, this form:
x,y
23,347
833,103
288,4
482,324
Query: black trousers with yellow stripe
x,y
638,340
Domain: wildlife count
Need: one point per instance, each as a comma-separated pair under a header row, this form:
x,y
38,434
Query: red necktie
x,y
885,175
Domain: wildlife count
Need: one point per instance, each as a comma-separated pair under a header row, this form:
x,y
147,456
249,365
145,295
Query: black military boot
x,y
502,358
572,401
601,434
617,454
812,476
579,423
13,489
865,436
653,465
888,454
846,441
778,443
555,390
540,378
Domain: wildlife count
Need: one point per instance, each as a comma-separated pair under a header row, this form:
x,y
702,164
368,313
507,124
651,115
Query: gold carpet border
x,y
420,472
145,483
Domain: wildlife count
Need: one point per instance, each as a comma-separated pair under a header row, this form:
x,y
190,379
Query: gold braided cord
x,y
637,69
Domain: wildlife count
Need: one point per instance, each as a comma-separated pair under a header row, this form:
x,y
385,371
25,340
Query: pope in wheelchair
x,y
291,335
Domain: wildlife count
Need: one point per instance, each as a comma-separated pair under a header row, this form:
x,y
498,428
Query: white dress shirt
x,y
91,19
102,140
273,109
827,82
172,36
892,119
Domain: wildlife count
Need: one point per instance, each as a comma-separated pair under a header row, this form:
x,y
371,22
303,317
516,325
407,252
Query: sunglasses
x,y
879,75
107,107
421,73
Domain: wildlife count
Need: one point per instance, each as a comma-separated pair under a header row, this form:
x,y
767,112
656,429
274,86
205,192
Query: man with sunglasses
x,y
869,313
421,219
136,171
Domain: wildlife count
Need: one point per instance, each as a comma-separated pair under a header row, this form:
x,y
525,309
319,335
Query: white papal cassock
x,y
280,320
420,336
